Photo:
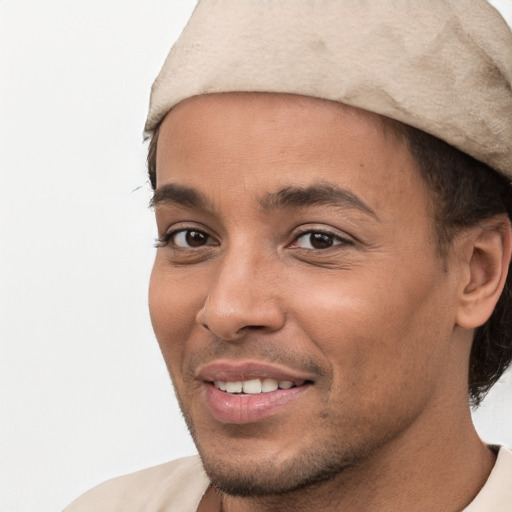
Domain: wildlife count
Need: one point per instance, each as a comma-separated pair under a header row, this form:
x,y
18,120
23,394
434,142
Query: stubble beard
x,y
322,467
270,477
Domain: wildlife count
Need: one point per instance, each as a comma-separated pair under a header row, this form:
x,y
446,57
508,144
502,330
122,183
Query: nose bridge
x,y
241,294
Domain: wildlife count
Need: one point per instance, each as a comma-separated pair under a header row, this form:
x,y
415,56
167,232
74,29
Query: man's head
x,y
323,266
298,243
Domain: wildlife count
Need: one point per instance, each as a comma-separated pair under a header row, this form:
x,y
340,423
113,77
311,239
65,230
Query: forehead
x,y
255,143
200,117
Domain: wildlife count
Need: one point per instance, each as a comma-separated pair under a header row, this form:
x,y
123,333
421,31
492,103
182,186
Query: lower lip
x,y
231,408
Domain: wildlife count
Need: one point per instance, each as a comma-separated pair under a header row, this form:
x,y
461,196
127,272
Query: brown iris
x,y
320,240
195,238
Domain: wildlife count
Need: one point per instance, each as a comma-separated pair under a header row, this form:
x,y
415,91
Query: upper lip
x,y
233,371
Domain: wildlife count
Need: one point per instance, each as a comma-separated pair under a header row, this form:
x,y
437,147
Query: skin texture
x,y
378,323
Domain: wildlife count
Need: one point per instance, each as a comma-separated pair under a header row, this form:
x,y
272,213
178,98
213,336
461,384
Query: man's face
x,y
296,249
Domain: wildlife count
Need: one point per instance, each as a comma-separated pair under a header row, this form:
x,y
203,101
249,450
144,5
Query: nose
x,y
242,297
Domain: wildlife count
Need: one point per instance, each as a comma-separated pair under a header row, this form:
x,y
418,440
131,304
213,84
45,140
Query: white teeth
x,y
254,386
220,384
234,387
269,385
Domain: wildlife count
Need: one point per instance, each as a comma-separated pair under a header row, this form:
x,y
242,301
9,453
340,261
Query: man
x,y
332,194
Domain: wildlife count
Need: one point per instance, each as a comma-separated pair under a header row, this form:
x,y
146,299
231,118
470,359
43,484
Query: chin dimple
x,y
254,386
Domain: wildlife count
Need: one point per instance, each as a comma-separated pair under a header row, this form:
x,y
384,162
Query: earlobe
x,y
487,251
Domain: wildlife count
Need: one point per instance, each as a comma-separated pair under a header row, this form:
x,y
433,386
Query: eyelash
x,y
161,241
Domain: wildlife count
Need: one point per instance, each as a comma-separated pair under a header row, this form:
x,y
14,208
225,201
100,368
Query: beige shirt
x,y
178,486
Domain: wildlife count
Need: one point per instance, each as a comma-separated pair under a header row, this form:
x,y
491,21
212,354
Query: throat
x,y
211,501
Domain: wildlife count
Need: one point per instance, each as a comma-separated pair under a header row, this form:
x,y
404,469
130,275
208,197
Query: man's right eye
x,y
185,239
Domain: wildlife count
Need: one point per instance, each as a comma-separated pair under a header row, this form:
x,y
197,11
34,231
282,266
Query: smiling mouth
x,y
240,394
256,386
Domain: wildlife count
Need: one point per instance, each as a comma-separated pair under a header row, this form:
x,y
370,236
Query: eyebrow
x,y
320,194
180,195
285,198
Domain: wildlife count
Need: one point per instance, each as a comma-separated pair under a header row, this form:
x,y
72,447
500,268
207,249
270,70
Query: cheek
x,y
377,334
173,305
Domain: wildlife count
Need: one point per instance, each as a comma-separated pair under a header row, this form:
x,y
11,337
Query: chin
x,y
236,474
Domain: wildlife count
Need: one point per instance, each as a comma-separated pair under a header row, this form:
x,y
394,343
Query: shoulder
x,y
496,494
175,486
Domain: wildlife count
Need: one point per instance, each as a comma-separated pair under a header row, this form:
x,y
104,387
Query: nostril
x,y
234,336
231,320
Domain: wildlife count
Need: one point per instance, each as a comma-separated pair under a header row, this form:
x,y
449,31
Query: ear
x,y
486,250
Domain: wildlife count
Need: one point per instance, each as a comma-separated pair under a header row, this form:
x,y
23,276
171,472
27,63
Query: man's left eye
x,y
317,240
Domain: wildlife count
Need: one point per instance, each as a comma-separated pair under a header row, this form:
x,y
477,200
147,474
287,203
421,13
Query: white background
x,y
84,395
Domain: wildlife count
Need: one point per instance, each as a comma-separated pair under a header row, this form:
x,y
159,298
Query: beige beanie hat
x,y
443,66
